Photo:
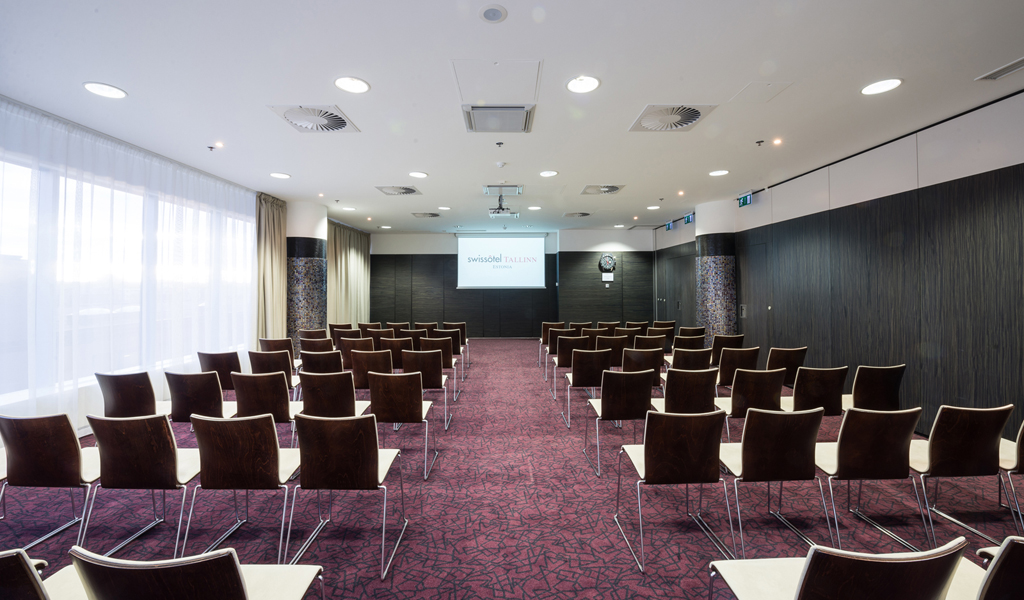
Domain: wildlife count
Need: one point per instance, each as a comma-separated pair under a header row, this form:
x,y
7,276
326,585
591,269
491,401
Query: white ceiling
x,y
199,72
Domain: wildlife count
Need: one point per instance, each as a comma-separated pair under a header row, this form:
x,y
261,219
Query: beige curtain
x,y
271,268
348,274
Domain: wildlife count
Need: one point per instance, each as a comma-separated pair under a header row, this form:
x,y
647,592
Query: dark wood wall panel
x,y
492,313
753,286
800,313
636,270
462,305
427,287
516,314
403,290
382,288
582,296
676,272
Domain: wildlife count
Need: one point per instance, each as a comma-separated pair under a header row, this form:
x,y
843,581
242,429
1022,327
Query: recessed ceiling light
x,y
369,218
680,192
219,144
418,174
102,89
653,207
280,176
620,226
352,85
444,208
718,173
493,13
385,227
635,218
881,86
777,141
533,208
321,195
583,84
348,208
548,173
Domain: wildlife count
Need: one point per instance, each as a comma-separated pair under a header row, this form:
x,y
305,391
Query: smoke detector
x,y
399,190
598,190
670,117
576,215
315,119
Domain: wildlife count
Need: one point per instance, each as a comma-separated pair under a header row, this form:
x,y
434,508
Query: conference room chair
x,y
551,349
339,334
649,342
616,343
736,358
130,395
463,339
197,393
677,450
634,359
578,327
314,345
689,392
591,335
629,332
776,446
414,334
666,332
718,342
688,342
263,363
342,454
330,395
241,454
43,452
691,360
377,334
843,575
223,363
872,446
210,576
20,579
397,398
430,365
396,346
448,362
545,327
1005,575
140,453
428,326
752,389
563,358
314,334
279,344
1010,461
350,344
328,361
364,327
588,366
397,327
691,331
641,325
789,359
332,326
876,388
625,396
817,387
608,326
363,363
456,336
964,442
262,394
666,325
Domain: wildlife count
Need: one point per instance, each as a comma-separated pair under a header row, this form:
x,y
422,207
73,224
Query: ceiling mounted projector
x,y
502,212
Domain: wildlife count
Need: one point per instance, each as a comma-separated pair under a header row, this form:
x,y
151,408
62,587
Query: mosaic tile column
x,y
307,286
716,284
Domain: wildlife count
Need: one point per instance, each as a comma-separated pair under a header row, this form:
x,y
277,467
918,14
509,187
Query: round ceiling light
x,y
653,207
880,87
617,226
384,227
348,208
548,173
280,176
533,208
352,85
493,13
418,174
680,192
583,84
443,208
102,89
777,141
718,173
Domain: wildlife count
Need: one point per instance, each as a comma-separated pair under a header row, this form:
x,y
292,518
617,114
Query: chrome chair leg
x,y
76,519
586,443
567,415
426,444
447,418
384,520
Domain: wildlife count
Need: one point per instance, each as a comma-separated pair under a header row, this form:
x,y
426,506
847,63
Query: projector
x,y
502,213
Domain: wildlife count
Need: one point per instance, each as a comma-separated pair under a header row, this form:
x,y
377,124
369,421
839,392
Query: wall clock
x,y
606,263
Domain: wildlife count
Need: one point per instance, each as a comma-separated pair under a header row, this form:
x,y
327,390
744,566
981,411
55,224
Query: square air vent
x,y
503,190
601,190
670,117
314,119
498,119
399,190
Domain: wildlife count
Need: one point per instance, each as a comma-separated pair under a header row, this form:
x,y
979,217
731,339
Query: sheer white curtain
x,y
112,259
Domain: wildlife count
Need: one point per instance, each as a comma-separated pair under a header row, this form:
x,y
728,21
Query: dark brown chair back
x,y
789,359
756,389
647,342
736,358
315,345
819,387
18,578
688,342
210,575
397,327
377,361
718,342
666,325
553,335
454,334
442,344
278,344
577,328
129,395
397,397
195,393
608,325
239,453
429,364
314,334
414,334
690,392
547,326
396,346
588,366
641,325
460,325
321,362
876,444
261,394
691,360
642,360
878,388
626,395
350,344
364,327
269,362
338,453
617,344
924,576
328,394
566,346
377,334
223,363
779,446
665,332
591,335
332,326
1005,577
338,334
691,331
964,442
630,333
41,451
137,453
682,449
428,326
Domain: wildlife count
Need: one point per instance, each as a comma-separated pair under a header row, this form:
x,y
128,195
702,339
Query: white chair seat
x,y
847,401
826,457
731,455
725,404
635,452
188,464
288,462
786,403
229,408
596,404
90,464
361,406
385,458
919,456
3,464
65,584
296,381
664,376
163,407
426,408
1007,455
294,408
658,404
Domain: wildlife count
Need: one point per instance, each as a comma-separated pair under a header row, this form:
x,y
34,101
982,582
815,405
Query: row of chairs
x,y
377,332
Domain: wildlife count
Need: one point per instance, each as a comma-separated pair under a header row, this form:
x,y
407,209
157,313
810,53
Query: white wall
x,y
680,234
605,240
306,219
431,243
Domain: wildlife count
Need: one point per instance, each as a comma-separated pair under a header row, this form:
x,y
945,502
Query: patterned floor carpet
x,y
511,509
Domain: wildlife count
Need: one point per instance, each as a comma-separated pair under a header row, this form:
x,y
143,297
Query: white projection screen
x,y
501,262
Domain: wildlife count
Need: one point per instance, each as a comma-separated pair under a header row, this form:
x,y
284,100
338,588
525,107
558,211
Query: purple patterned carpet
x,y
511,510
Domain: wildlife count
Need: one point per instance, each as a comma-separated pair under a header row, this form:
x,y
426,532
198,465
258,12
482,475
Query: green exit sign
x,y
687,219
746,199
